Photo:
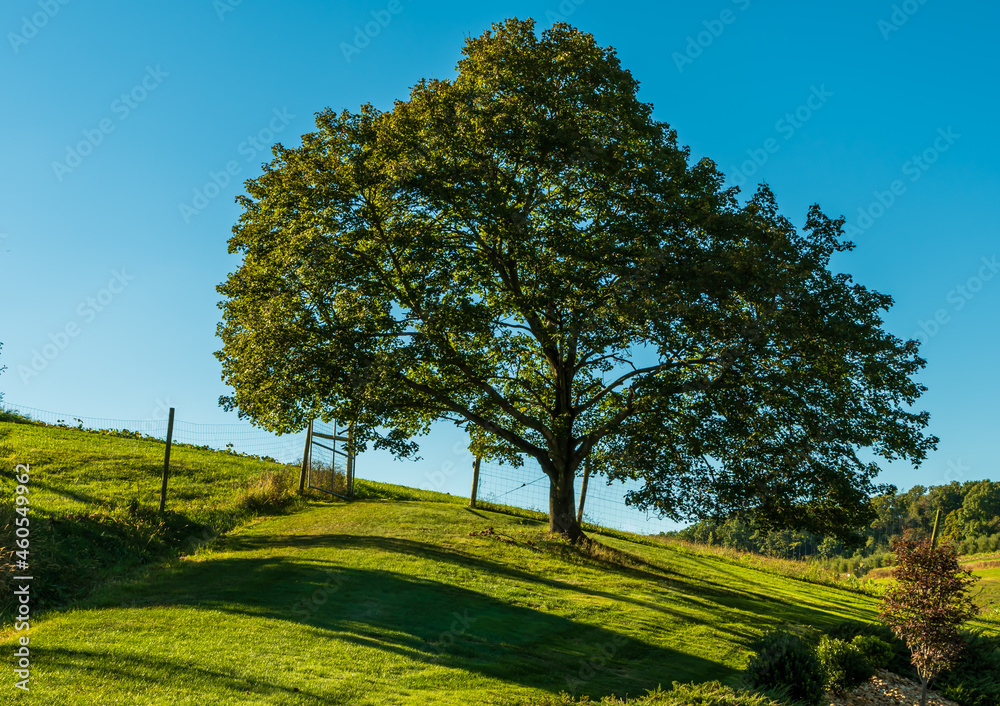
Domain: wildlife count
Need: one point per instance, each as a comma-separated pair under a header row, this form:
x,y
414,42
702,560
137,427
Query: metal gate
x,y
329,479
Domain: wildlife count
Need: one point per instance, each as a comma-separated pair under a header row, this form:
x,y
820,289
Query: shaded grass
x,y
94,499
404,596
383,601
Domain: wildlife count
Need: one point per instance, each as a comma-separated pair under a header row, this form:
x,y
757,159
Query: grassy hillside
x,y
93,501
416,602
401,597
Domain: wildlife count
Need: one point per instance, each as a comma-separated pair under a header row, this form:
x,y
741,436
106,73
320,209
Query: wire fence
x,y
237,438
527,487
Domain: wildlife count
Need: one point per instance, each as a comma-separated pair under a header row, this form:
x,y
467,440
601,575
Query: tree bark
x,y
923,692
562,506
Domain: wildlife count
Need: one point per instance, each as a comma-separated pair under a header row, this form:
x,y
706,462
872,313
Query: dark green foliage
x,y
876,651
846,664
969,518
496,249
975,680
706,694
785,660
899,656
9,415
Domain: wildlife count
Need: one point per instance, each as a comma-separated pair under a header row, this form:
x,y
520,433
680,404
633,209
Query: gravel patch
x,y
886,689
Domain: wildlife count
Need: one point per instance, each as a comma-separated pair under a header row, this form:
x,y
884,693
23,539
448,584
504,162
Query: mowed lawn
x,y
987,589
396,602
77,471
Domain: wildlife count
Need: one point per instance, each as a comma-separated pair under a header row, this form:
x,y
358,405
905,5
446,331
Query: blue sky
x,y
129,128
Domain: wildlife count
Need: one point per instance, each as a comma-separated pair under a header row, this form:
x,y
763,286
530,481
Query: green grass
x,y
401,597
78,471
94,500
396,602
987,590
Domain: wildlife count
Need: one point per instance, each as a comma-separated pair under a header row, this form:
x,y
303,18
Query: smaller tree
x,y
927,604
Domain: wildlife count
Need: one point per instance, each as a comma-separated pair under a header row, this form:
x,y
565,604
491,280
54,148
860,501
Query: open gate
x,y
328,478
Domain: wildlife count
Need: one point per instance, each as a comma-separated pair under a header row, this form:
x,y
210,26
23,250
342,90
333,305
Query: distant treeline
x,y
970,518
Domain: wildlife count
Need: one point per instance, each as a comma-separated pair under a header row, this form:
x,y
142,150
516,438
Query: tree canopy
x,y
523,250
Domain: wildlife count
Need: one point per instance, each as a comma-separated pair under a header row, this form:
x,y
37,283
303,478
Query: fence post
x,y
350,460
166,460
305,457
475,482
583,489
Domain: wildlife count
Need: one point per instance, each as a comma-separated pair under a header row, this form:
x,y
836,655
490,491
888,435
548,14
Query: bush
x,y
9,415
708,694
268,494
975,680
899,659
785,660
845,666
878,652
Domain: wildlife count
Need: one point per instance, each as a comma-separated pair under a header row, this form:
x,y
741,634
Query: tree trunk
x,y
562,507
923,692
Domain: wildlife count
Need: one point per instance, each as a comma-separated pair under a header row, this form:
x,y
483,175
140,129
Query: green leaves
x,y
522,250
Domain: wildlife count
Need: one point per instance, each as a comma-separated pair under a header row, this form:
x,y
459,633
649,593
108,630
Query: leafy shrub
x,y
710,693
786,660
844,665
9,415
899,660
975,680
877,651
269,493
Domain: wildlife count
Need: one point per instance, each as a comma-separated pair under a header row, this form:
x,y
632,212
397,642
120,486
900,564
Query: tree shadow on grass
x,y
432,623
433,620
687,593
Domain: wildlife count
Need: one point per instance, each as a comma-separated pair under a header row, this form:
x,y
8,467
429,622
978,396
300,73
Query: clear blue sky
x,y
114,114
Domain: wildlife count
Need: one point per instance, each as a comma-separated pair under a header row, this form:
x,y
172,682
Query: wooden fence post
x,y
306,453
583,489
166,461
475,482
349,464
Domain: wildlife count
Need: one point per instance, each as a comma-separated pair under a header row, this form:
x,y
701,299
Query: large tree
x,y
523,250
